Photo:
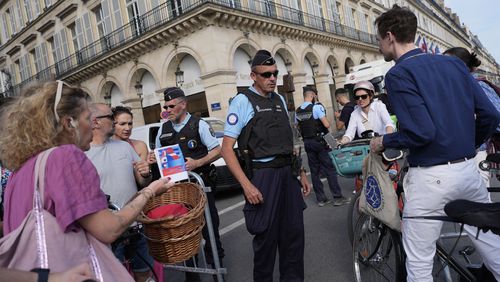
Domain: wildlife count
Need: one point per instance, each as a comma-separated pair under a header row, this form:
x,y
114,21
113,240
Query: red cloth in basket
x,y
170,210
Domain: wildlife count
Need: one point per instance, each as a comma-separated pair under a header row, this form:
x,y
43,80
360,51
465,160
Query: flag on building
x,y
436,50
417,43
431,49
423,46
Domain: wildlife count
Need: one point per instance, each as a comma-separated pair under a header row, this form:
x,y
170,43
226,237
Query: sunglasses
x,y
166,107
360,97
268,74
110,116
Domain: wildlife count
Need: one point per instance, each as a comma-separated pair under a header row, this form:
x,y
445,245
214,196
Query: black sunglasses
x,y
360,97
110,116
268,74
166,107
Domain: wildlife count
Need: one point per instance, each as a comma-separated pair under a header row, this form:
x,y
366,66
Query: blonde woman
x,y
49,115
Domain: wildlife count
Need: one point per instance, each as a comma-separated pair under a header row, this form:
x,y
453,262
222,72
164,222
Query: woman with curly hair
x,y
54,114
123,129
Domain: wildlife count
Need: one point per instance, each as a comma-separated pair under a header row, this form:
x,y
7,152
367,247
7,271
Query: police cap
x,y
172,93
263,58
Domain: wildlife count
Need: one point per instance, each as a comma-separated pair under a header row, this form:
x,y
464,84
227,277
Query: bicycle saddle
x,y
485,216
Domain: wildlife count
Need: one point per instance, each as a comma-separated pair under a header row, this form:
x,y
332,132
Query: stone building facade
x,y
126,52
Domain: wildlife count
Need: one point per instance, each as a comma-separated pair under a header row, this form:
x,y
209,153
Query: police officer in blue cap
x,y
313,125
200,148
258,120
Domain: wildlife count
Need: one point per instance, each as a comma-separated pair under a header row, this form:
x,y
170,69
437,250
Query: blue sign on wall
x,y
215,106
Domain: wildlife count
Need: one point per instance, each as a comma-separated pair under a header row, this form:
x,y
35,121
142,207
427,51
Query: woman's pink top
x,y
72,189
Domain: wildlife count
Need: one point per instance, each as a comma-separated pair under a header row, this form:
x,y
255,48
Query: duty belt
x,y
277,162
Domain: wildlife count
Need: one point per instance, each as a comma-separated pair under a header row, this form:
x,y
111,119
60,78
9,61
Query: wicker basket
x,y
173,240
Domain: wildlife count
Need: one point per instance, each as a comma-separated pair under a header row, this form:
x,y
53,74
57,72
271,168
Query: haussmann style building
x,y
126,52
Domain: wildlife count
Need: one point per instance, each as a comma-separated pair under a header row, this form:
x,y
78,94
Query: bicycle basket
x,y
175,239
348,161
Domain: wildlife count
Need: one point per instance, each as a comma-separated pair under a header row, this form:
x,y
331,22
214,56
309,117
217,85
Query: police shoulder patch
x,y
232,118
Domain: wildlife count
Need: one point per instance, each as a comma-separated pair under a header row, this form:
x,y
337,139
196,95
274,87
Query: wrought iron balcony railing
x,y
166,13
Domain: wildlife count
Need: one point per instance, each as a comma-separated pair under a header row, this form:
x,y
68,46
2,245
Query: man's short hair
x,y
341,91
306,89
399,21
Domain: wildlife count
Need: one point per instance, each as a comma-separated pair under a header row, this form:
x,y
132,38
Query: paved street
x,y
327,251
328,255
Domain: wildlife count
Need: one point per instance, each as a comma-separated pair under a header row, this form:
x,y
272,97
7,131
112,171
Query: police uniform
x,y
278,222
308,117
196,139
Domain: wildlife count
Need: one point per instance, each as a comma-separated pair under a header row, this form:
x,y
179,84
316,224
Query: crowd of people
x,y
94,157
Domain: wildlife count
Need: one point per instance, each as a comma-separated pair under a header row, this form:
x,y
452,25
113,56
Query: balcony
x,y
162,24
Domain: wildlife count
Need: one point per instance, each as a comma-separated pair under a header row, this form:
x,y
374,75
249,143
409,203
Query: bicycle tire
x,y
377,252
353,216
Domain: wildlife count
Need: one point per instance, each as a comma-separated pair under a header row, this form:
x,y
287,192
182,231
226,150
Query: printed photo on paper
x,y
171,162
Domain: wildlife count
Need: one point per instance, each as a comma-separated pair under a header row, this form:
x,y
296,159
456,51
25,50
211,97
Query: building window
x,y
134,16
27,8
25,67
6,30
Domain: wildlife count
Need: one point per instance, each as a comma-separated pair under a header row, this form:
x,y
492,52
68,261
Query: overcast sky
x,y
483,19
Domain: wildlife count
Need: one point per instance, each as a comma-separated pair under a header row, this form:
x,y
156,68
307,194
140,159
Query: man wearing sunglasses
x,y
200,148
368,114
258,119
121,171
313,124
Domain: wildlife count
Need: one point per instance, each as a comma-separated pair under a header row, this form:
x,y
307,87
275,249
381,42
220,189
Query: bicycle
x,y
378,253
348,160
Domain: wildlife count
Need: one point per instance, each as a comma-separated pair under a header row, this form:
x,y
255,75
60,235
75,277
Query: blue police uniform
x,y
277,223
196,145
317,150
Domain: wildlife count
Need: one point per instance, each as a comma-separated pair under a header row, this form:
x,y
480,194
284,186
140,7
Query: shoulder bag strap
x,y
38,207
39,188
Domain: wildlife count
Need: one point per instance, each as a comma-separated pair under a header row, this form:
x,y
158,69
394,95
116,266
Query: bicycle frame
x,y
445,257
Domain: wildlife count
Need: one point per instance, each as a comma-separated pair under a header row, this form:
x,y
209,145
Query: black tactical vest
x,y
188,139
309,127
270,131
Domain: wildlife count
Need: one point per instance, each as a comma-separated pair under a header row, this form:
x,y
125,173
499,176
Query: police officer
x,y
258,120
200,148
313,124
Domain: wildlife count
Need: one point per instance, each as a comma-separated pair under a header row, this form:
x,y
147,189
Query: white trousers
x,y
427,190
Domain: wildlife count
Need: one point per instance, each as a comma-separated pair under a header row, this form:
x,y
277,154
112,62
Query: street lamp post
x,y
315,68
138,89
179,77
107,98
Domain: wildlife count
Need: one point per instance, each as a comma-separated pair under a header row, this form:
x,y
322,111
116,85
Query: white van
x,y
373,71
225,179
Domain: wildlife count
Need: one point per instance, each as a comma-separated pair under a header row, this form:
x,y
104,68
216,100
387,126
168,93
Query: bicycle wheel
x,y
377,252
353,216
